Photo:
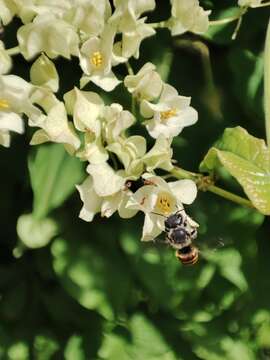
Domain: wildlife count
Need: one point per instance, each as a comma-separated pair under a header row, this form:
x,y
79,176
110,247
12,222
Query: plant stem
x,y
161,24
129,68
267,84
184,174
133,100
230,196
13,51
238,25
224,21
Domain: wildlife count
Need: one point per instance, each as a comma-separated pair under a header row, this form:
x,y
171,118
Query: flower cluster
x,y
101,37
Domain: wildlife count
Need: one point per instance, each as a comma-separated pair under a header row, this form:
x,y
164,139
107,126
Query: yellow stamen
x,y
97,59
165,115
4,104
164,204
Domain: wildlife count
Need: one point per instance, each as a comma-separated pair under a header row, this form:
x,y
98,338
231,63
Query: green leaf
x,y
91,277
148,342
247,83
44,347
229,263
247,159
35,233
225,348
53,175
74,349
114,347
18,351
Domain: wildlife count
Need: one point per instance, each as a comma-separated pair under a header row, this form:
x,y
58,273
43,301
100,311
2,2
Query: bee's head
x,y
173,221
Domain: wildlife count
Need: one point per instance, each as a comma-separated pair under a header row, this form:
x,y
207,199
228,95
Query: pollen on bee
x,y
4,104
165,115
96,59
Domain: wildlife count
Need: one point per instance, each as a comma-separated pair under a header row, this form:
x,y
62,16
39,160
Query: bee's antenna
x,y
152,212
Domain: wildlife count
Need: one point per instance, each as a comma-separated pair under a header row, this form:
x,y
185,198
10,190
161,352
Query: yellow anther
x,y
97,59
165,115
4,104
164,204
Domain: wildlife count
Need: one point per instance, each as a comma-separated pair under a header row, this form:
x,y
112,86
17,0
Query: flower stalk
x,y
179,173
13,51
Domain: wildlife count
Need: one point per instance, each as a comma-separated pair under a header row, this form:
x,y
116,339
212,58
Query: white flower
x,y
188,15
96,60
87,108
89,16
159,156
14,101
93,149
7,11
170,115
130,152
56,128
9,122
43,73
250,3
118,202
131,41
46,100
115,122
106,181
160,197
91,201
128,11
104,190
48,34
5,59
146,84
28,9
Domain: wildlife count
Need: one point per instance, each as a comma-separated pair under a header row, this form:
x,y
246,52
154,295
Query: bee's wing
x,y
210,245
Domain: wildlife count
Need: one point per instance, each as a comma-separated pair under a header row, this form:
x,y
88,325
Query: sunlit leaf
x,y
91,277
74,349
53,174
246,158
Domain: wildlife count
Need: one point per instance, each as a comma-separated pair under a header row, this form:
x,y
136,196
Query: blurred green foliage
x,y
96,291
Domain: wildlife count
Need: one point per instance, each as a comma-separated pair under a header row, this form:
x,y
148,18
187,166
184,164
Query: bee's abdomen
x,y
188,255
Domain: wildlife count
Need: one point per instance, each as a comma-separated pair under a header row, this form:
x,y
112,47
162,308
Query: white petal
x,y
110,204
11,121
91,201
143,199
150,228
86,114
106,181
123,210
107,82
184,190
43,73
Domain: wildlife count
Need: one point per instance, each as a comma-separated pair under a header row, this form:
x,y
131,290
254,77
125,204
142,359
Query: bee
x,y
180,231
